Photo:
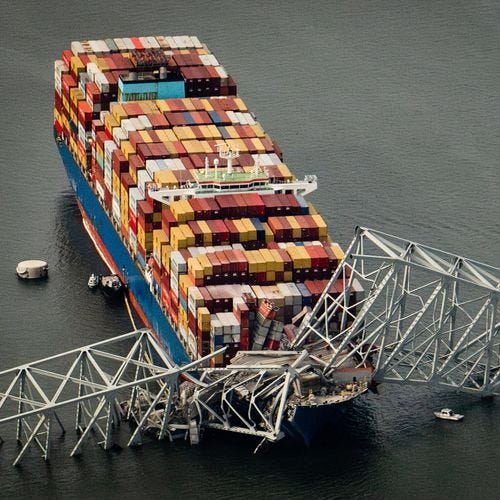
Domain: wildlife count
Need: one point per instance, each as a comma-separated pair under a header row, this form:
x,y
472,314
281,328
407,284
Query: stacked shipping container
x,y
230,269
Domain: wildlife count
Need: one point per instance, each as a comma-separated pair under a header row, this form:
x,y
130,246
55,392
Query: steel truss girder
x,y
427,316
92,380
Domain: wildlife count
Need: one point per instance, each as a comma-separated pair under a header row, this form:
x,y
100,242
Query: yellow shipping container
x,y
205,131
279,265
253,264
116,184
145,239
76,65
188,104
159,239
166,135
242,230
205,263
195,268
252,232
166,250
285,172
305,257
288,276
188,234
207,233
162,105
75,95
214,132
258,145
338,252
207,105
271,276
261,262
312,209
127,149
296,229
268,231
110,123
65,103
258,130
165,178
177,238
232,132
118,113
145,136
241,105
323,231
271,263
185,282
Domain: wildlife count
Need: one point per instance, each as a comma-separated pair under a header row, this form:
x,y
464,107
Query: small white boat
x,y
448,414
93,281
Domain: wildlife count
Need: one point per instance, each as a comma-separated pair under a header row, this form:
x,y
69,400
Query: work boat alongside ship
x,y
191,206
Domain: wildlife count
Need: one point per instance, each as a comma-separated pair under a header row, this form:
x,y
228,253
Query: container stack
x,y
146,113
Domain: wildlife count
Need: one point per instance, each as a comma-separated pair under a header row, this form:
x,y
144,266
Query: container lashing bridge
x,y
424,316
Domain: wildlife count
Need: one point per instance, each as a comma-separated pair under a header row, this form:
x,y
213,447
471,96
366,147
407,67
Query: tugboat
x,y
94,281
111,284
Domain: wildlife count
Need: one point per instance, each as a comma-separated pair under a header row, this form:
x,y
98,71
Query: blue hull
x,y
307,421
136,282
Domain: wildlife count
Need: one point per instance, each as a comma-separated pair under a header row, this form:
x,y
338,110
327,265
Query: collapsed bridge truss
x,y
425,316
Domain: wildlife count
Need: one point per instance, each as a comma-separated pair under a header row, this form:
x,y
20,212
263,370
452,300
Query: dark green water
x,y
394,104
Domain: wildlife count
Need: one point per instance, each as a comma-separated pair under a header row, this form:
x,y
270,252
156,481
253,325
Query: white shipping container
x,y
142,178
232,116
127,126
116,209
178,164
103,115
213,60
128,43
240,118
205,60
95,46
152,167
77,48
145,122
122,47
133,197
196,43
136,123
180,42
178,262
108,179
132,240
104,47
153,43
101,82
99,189
171,42
144,42
119,135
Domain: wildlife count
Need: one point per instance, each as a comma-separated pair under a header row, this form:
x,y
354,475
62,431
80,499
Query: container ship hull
x,y
117,258
187,199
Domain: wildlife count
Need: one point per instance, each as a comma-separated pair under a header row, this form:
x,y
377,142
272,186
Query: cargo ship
x,y
186,197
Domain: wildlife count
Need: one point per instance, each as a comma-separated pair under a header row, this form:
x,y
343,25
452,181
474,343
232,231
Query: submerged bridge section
x,y
425,316
395,310
130,379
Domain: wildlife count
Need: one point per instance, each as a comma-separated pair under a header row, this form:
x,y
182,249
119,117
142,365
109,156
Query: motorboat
x,y
448,414
93,281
